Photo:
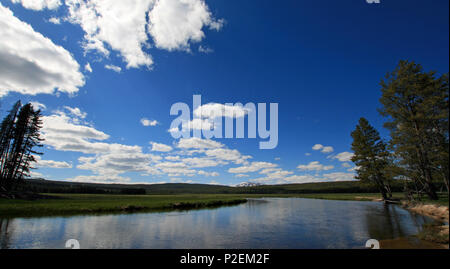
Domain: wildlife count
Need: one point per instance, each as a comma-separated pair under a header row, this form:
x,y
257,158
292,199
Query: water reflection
x,y
260,223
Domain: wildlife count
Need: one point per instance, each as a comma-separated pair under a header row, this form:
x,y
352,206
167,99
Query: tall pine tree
x,y
416,105
19,135
371,157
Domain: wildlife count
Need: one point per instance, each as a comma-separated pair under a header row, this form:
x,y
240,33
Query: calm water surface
x,y
261,223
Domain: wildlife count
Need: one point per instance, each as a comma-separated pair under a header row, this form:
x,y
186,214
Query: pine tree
x,y
416,105
371,157
20,134
6,138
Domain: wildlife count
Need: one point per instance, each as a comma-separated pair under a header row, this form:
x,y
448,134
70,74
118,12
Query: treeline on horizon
x,y
47,186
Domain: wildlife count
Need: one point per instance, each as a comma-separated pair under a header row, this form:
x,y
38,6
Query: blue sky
x,y
321,61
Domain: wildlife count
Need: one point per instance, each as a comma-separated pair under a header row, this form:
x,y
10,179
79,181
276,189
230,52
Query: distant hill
x,y
47,186
248,184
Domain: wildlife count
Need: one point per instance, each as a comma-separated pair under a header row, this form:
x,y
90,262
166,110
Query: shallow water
x,y
273,223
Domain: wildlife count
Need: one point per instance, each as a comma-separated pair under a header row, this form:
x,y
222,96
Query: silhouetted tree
x,y
19,135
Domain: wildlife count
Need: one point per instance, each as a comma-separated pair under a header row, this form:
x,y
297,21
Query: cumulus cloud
x,y
146,122
200,162
31,63
75,111
344,156
322,148
114,68
214,110
208,174
173,24
37,105
160,147
315,166
65,133
327,149
101,179
54,20
127,26
119,24
51,163
317,147
250,168
198,143
88,68
119,162
232,155
39,4
205,50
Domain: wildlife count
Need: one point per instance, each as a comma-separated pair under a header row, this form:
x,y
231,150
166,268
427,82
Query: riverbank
x,y
437,233
432,236
76,204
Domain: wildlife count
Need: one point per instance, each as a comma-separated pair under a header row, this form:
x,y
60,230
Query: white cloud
x,y
317,147
322,148
173,24
241,175
146,122
65,134
205,50
176,169
51,163
113,164
227,155
118,24
54,20
315,166
114,68
100,179
39,4
198,143
88,68
346,165
75,111
173,158
327,149
37,105
160,147
200,162
128,26
344,156
208,174
253,167
48,67
214,110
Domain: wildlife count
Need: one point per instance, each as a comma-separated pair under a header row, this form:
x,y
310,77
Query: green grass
x,y
72,204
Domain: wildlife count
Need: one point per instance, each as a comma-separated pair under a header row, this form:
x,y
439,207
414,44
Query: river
x,y
269,223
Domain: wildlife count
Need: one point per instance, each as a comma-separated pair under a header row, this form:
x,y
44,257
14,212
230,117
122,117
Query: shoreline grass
x,y
78,204
84,204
